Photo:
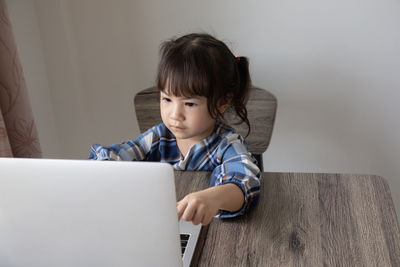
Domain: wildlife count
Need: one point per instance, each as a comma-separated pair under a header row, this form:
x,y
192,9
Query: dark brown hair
x,y
199,64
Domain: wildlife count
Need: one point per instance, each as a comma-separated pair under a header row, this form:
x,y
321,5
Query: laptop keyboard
x,y
184,242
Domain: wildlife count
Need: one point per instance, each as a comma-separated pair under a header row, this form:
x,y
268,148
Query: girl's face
x,y
187,118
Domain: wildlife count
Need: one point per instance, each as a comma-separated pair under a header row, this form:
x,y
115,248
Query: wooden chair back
x,y
261,108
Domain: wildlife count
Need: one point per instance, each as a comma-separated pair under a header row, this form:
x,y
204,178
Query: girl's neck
x,y
184,146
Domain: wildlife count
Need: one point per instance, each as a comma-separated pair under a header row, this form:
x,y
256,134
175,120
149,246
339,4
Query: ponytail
x,y
241,95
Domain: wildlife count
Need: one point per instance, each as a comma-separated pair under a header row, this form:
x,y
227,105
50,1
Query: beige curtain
x,y
18,135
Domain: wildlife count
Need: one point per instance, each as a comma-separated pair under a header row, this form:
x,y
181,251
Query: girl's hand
x,y
198,207
202,206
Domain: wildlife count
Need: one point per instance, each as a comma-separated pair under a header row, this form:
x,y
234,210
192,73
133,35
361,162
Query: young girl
x,y
199,79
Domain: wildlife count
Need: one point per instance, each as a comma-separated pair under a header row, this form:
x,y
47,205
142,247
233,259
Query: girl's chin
x,y
176,129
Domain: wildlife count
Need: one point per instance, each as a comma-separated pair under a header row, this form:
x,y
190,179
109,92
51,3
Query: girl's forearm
x,y
228,196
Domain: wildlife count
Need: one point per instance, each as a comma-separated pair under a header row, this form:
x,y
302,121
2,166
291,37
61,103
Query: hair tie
x,y
238,59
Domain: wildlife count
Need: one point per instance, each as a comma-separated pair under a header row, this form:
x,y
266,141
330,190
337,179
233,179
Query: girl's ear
x,y
222,108
224,103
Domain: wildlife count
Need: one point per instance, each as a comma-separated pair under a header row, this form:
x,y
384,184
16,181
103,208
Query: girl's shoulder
x,y
228,135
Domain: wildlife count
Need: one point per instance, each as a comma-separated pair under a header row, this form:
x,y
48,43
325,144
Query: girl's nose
x,y
177,112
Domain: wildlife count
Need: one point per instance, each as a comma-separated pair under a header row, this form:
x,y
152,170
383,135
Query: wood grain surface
x,y
306,220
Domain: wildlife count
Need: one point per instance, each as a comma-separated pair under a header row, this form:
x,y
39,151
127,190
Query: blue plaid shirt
x,y
224,153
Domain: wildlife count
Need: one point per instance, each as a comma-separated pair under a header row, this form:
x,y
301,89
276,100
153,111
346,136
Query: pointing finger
x,y
181,207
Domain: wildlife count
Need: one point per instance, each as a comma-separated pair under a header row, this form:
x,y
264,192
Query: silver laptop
x,y
90,213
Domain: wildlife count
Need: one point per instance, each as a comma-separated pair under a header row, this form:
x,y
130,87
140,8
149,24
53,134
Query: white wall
x,y
333,65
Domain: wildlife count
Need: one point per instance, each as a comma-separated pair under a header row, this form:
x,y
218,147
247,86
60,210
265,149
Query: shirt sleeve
x,y
239,167
126,151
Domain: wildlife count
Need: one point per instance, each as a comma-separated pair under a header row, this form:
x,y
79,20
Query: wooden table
x,y
304,220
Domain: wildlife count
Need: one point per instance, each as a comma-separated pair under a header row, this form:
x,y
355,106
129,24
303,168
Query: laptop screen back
x,y
87,213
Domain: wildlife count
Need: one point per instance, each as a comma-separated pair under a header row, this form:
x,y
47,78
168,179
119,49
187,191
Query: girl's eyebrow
x,y
190,97
194,97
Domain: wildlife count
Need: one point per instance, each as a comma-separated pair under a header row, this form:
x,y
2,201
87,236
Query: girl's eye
x,y
166,99
189,104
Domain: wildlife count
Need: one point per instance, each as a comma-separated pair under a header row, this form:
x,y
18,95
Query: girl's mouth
x,y
177,127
